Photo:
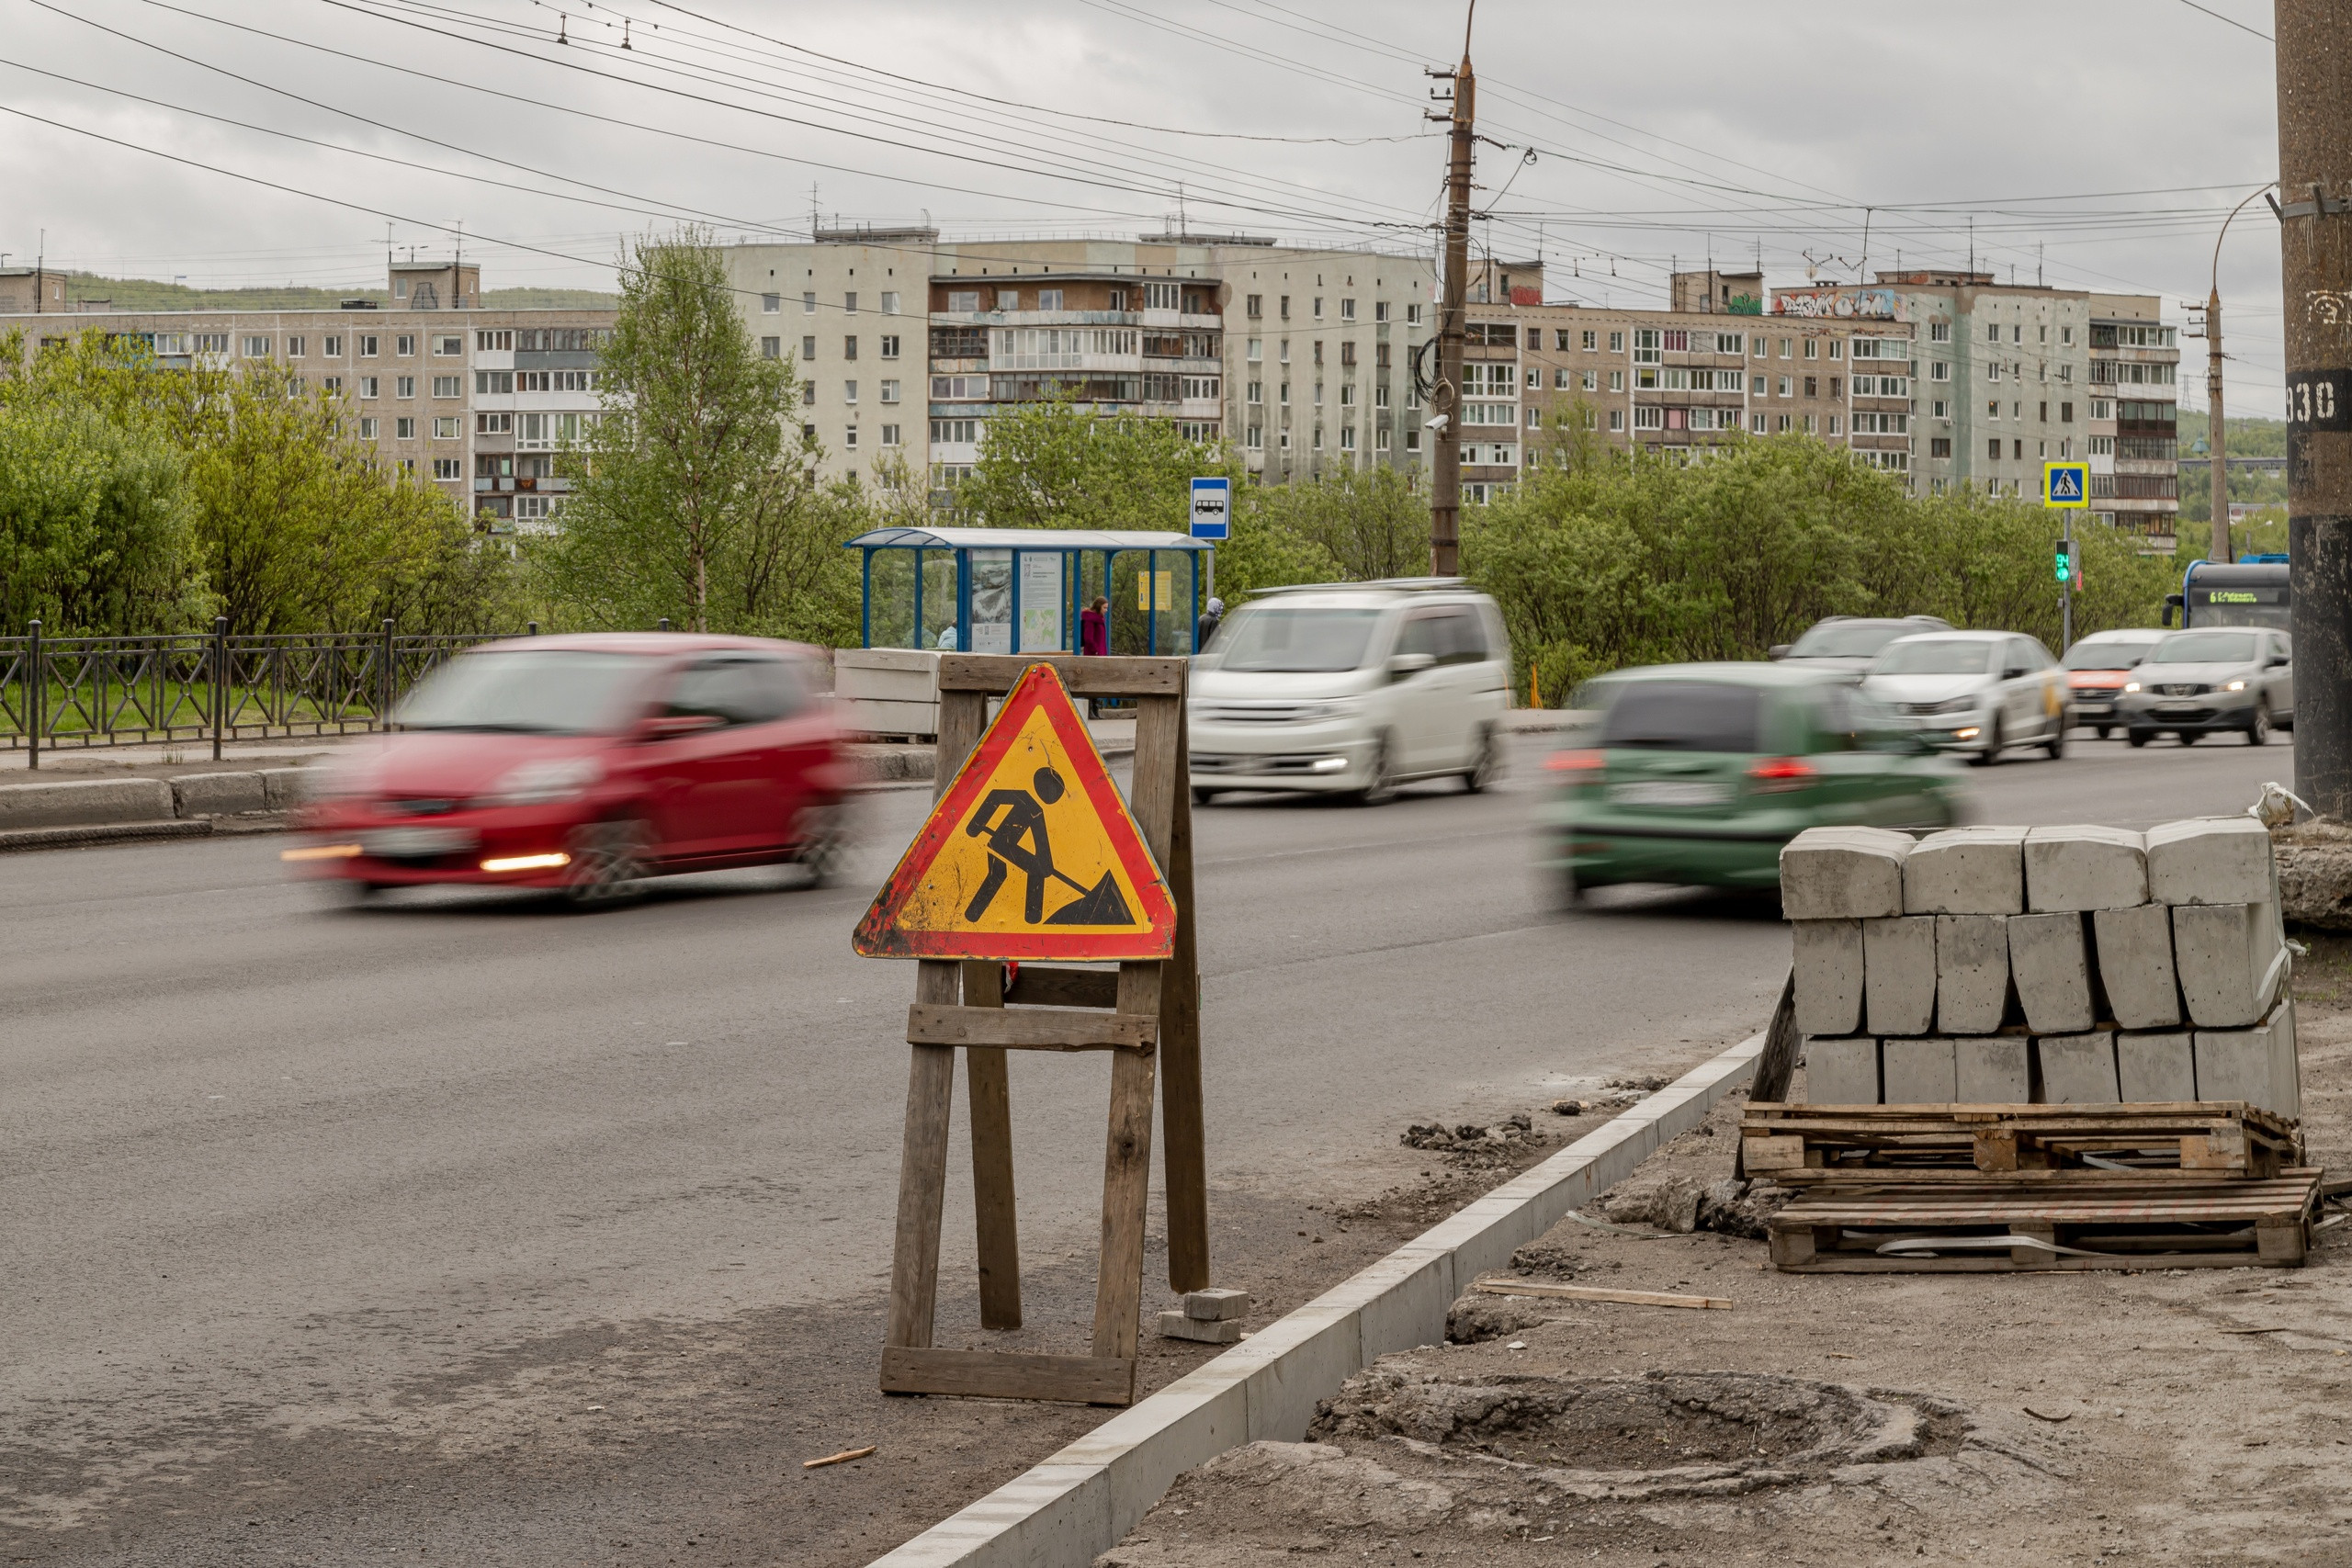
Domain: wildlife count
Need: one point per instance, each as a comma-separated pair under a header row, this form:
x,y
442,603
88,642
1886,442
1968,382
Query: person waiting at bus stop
x,y
1094,637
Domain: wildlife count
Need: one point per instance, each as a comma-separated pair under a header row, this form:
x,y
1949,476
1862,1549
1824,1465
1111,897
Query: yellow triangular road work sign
x,y
1030,854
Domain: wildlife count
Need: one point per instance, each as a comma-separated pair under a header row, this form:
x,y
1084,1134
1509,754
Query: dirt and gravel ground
x,y
2171,1416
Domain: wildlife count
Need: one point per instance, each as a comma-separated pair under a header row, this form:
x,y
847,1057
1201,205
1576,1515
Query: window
x,y
1319,394
404,387
771,303
1588,380
1616,377
954,431
448,468
890,432
809,303
1617,420
849,348
1119,299
809,394
1993,448
849,392
1938,331
448,344
2102,408
1755,387
331,385
1254,307
1284,392
1318,316
367,385
1380,313
1008,299
1319,351
567,380
367,430
771,348
446,429
2065,334
404,430
1347,313
2043,416
1993,409
1162,296
493,424
405,345
1647,345
544,431
1812,346
1939,370
256,348
1347,393
1380,396
1784,348
1756,424
1940,408
491,342
890,346
294,347
1833,381
1940,446
367,346
1534,418
1347,438
1836,347
1413,319
449,386
2017,332
1782,389
1812,387
2066,413
849,439
889,391
849,304
1649,416
484,381
331,345
1616,343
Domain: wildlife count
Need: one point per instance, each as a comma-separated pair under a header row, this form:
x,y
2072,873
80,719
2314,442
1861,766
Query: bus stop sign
x,y
1212,507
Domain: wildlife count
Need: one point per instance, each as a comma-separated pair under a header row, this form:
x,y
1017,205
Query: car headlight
x,y
2234,686
1955,704
544,784
2130,685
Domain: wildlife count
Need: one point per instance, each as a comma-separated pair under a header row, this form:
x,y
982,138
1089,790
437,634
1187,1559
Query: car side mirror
x,y
670,726
1404,666
1778,651
2014,673
2172,603
2277,659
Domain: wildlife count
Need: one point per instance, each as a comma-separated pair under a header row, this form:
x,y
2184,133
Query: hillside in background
x,y
146,294
2248,437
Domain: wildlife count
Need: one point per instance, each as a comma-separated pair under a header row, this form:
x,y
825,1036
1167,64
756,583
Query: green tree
x,y
694,493
1371,522
1050,465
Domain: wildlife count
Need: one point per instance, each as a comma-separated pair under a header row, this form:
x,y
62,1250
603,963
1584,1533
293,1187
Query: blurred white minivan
x,y
1352,688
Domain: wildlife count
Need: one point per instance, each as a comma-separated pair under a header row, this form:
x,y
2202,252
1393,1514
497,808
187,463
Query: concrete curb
x,y
102,833
1081,1501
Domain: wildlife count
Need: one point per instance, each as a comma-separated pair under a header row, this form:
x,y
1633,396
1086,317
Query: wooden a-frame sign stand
x,y
1146,1015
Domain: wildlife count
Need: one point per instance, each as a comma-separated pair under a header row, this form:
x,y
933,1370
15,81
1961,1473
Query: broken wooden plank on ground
x,y
1599,1293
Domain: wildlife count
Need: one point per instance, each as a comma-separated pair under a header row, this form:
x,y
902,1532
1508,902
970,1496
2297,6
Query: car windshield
x,y
1935,655
1295,641
2121,653
1846,639
557,692
1684,716
2205,647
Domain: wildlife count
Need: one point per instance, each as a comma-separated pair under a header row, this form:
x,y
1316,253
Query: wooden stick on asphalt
x,y
1596,1293
842,1458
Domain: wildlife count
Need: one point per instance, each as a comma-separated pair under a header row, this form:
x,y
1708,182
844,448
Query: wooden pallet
x,y
2108,1219
1807,1144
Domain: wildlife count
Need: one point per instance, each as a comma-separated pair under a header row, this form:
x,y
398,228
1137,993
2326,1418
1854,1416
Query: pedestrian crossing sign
x,y
2065,484
1030,854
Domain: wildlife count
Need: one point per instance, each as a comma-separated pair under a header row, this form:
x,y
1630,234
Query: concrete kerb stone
x,y
218,794
83,802
1078,1504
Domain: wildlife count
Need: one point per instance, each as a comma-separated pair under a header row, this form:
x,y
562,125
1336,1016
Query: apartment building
x,y
2134,448
474,401
28,289
1680,381
1300,357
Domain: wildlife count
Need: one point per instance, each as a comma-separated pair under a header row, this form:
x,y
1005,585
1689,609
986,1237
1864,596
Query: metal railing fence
x,y
68,693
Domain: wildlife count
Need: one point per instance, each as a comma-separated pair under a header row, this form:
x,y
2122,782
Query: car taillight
x,y
1577,767
1776,775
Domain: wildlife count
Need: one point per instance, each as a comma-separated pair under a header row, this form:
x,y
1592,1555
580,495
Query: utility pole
x,y
2315,248
2216,439
1445,397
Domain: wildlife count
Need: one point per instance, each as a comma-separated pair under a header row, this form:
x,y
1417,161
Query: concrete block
x,y
2210,859
73,802
1177,1324
1842,1071
1829,964
1918,1072
2083,868
1296,1362
1973,992
2157,1066
218,794
1843,873
1145,1447
283,788
1993,1069
1216,1305
2078,1069
2050,960
2258,1065
1899,975
1966,871
2135,966
2232,962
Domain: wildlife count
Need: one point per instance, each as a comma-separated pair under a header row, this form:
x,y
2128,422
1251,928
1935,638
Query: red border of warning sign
x,y
880,936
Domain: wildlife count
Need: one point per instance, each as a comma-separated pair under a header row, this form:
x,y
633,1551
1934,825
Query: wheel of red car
x,y
823,842
609,860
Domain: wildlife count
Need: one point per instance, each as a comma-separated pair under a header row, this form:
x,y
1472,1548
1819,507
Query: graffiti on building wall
x,y
1862,304
1746,305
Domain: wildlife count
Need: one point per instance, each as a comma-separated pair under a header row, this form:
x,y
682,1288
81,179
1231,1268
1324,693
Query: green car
x,y
1698,773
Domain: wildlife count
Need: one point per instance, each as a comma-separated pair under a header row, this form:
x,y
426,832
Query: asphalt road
x,y
265,1165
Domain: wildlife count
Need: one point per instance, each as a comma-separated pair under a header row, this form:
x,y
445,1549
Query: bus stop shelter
x,y
923,591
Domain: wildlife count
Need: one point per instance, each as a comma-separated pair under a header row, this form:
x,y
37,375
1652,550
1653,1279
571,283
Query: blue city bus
x,y
2247,593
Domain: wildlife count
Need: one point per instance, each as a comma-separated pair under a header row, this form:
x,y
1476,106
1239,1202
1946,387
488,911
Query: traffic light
x,y
2065,562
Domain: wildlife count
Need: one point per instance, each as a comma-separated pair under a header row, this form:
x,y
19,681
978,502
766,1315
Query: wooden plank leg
x,y
2280,1241
1126,1178
991,1097
1185,1156
923,1175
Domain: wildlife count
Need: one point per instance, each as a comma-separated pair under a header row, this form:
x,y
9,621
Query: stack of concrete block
x,y
2057,965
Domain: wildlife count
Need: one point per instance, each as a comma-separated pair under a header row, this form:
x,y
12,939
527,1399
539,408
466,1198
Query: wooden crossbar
x,y
1031,1029
1083,676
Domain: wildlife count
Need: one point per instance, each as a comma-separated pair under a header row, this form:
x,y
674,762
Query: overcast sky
x,y
2094,144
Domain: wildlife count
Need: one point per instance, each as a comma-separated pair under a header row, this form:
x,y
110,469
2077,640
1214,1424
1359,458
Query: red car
x,y
587,764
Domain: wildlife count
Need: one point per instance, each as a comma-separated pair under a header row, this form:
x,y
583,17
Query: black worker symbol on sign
x,y
1017,842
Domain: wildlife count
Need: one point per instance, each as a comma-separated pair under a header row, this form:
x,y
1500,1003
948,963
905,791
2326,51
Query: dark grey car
x,y
1848,643
2195,682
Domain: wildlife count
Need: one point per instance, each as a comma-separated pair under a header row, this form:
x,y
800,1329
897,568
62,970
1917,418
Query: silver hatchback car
x,y
2195,682
1979,692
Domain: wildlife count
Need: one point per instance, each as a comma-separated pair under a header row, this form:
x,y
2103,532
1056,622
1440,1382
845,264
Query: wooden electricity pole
x,y
1445,396
2216,442
2314,72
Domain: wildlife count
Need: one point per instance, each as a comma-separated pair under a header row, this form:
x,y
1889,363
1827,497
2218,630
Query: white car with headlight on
x,y
1980,693
1352,688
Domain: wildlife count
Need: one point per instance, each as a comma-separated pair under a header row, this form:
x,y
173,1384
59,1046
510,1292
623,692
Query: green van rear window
x,y
1685,716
